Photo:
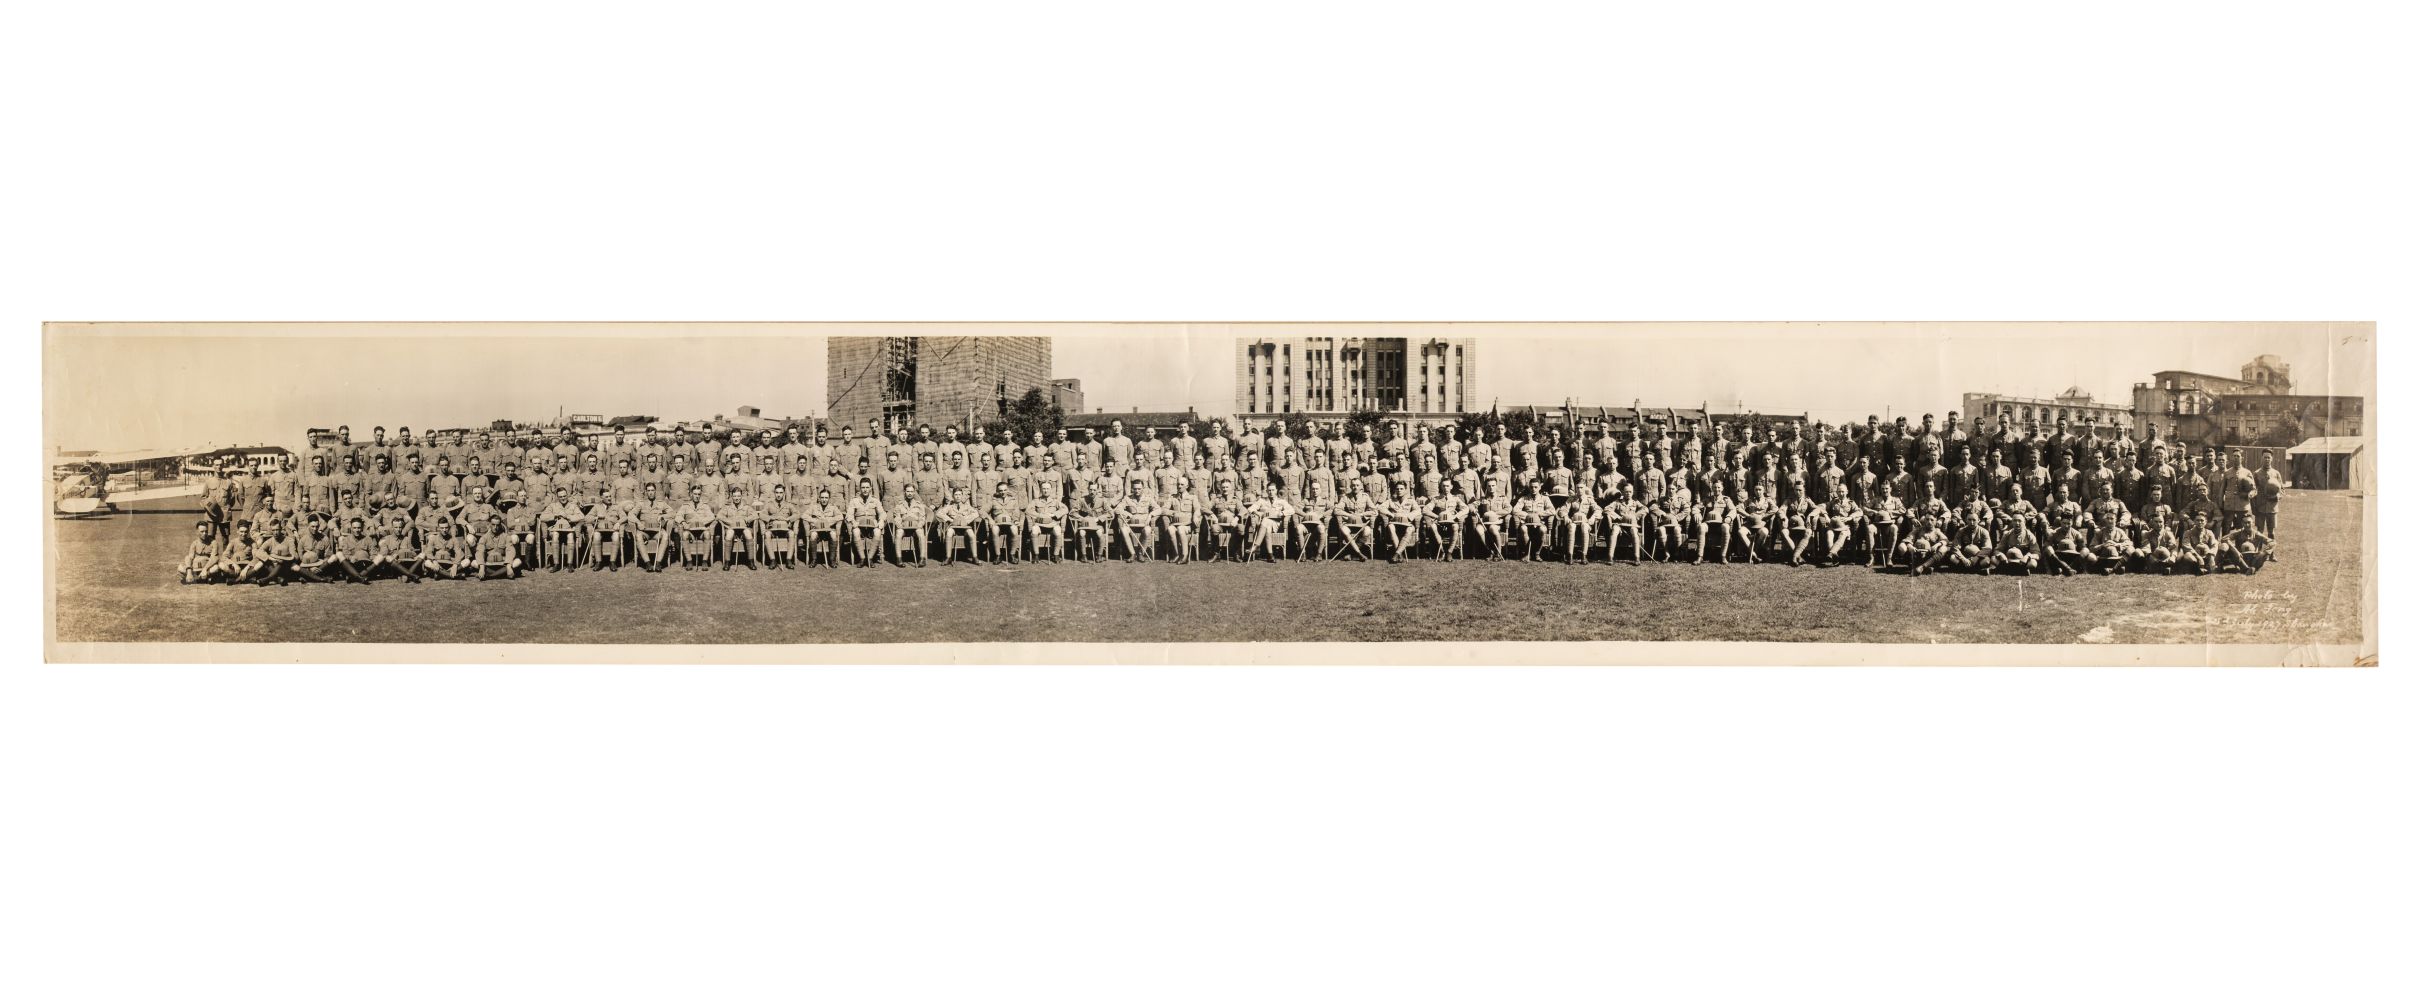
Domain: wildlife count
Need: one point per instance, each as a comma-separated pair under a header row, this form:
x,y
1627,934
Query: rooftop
x,y
2204,375
1133,419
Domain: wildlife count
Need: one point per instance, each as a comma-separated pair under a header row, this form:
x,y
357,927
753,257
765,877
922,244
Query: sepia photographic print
x,y
1975,493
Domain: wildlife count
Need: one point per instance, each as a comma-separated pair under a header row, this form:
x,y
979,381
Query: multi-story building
x,y
2269,373
2275,421
1421,379
2179,403
2076,406
893,382
1068,394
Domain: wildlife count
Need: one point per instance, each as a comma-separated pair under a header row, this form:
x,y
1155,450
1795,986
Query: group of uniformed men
x,y
1888,496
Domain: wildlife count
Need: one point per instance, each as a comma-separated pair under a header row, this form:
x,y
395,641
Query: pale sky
x,y
115,387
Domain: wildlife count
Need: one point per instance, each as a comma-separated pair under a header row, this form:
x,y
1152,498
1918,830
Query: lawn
x,y
116,583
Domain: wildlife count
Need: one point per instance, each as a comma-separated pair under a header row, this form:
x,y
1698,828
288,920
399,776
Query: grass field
x,y
116,583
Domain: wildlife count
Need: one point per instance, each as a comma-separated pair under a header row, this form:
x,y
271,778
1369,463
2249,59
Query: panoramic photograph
x,y
1993,483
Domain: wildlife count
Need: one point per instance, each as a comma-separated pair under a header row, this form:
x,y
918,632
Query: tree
x,y
1479,426
1363,425
1031,412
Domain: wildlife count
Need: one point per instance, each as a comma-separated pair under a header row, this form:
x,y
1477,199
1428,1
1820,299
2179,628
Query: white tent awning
x,y
2328,446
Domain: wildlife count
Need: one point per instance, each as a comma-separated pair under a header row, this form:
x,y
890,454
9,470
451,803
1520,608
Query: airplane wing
x,y
116,459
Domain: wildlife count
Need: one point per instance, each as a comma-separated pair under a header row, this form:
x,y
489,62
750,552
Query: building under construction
x,y
890,382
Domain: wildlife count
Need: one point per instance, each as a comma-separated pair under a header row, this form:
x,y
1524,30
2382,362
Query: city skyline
x,y
170,385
